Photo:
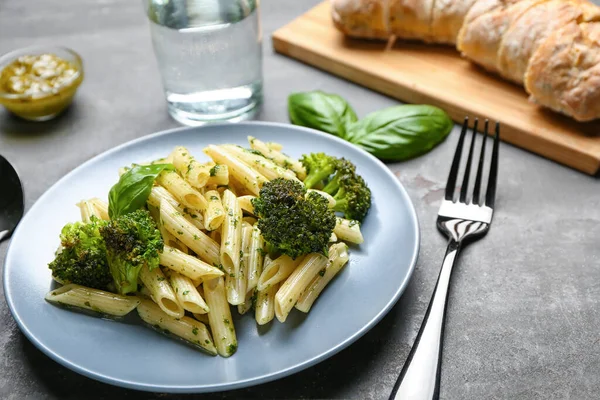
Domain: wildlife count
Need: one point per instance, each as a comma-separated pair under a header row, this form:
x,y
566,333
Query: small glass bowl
x,y
42,106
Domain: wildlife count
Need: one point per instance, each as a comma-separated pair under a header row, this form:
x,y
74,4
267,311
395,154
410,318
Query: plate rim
x,y
225,386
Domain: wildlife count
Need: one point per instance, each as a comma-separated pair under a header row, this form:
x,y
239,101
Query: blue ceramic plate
x,y
131,355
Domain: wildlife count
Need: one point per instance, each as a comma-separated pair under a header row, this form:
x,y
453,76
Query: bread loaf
x,y
447,19
481,37
411,19
362,18
564,72
550,46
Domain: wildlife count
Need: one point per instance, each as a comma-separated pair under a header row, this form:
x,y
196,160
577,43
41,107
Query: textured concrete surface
x,y
523,315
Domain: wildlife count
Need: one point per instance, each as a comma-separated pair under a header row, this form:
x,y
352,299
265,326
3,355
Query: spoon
x,y
11,199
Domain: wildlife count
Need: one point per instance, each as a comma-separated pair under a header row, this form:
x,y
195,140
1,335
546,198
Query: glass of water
x,y
209,53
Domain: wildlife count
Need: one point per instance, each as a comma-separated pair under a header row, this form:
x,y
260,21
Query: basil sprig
x,y
392,134
318,110
133,188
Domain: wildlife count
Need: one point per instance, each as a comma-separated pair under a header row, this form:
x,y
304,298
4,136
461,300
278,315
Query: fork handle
x,y
420,376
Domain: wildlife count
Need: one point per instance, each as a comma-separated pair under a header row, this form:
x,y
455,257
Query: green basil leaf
x,y
401,132
133,188
322,111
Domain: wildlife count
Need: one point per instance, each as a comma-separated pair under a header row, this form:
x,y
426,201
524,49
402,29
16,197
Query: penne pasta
x,y
93,299
274,146
290,291
234,297
267,260
154,199
265,305
200,243
348,230
87,211
249,220
338,257
327,196
195,173
194,219
172,241
187,294
168,238
160,291
197,283
247,304
182,190
144,292
333,238
186,328
248,177
159,193
221,189
221,323
237,188
245,203
187,265
215,213
216,235
200,289
257,162
202,318
240,281
101,208
219,175
277,271
278,157
231,233
255,258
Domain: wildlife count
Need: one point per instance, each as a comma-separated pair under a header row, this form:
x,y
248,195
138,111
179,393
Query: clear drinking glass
x,y
209,53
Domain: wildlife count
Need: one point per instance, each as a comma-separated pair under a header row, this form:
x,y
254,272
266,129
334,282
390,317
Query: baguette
x,y
447,19
564,73
549,46
481,37
362,18
533,28
411,19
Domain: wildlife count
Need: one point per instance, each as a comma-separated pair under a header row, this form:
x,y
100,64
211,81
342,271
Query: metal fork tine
x,y
465,184
491,189
477,188
450,185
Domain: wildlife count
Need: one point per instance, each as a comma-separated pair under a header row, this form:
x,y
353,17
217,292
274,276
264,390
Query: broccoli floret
x,y
82,259
350,191
319,166
291,222
132,241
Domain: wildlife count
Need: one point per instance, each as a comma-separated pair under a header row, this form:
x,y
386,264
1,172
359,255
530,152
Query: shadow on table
x,y
11,125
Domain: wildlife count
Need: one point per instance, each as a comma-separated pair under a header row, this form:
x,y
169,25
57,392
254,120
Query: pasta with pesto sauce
x,y
212,259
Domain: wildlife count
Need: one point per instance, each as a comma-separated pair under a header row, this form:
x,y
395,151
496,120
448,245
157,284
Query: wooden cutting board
x,y
418,73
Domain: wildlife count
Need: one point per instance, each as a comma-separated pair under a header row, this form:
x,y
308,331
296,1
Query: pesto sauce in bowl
x,y
39,84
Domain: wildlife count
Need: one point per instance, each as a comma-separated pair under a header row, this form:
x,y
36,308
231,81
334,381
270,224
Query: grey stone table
x,y
523,318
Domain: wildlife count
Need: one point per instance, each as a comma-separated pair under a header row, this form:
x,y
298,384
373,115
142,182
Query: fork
x,y
463,221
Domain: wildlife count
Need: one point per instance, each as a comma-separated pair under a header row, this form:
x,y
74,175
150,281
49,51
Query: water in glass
x,y
209,55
